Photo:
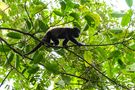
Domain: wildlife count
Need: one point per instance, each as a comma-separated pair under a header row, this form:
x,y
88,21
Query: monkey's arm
x,y
75,41
35,48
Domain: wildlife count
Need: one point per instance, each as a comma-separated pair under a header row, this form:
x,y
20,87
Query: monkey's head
x,y
76,32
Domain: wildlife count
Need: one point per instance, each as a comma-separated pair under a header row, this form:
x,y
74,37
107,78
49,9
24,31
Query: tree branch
x,y
98,70
19,31
75,76
5,77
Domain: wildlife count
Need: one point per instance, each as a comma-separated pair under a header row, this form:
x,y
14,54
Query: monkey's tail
x,y
35,48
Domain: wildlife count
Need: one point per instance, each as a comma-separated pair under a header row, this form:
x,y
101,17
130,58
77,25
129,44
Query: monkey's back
x,y
59,32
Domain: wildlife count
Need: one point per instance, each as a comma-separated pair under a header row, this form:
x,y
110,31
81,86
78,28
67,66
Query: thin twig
x,y
28,14
75,76
5,77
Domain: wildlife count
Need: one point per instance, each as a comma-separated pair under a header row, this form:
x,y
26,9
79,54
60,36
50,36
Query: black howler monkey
x,y
59,33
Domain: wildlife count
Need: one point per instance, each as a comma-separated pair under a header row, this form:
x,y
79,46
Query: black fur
x,y
56,34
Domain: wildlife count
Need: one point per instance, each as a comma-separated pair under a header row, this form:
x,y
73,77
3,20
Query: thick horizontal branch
x,y
19,31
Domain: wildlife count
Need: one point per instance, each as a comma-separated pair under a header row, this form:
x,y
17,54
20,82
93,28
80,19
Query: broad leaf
x,y
88,58
9,58
74,15
126,18
117,14
33,69
44,27
28,23
90,20
14,35
4,48
129,3
38,57
116,30
17,61
63,5
57,12
52,67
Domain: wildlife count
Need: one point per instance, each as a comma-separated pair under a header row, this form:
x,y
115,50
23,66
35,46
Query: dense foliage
x,y
106,61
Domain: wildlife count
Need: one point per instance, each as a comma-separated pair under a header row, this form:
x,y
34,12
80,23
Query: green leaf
x,y
114,54
116,30
44,27
126,18
28,23
129,3
76,6
9,58
38,57
0,17
66,79
117,14
86,27
63,5
132,46
120,62
76,24
131,67
60,51
88,58
57,12
74,15
17,61
70,5
14,35
90,20
4,48
52,67
33,69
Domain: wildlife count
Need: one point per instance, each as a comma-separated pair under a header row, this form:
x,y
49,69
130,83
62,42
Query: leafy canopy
x,y
106,61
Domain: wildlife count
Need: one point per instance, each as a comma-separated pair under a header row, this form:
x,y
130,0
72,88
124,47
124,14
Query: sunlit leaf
x,y
88,58
90,20
131,67
57,12
93,19
129,3
0,17
126,18
117,14
132,46
116,30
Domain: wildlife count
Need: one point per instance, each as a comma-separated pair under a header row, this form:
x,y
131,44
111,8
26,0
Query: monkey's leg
x,y
56,41
65,42
75,41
